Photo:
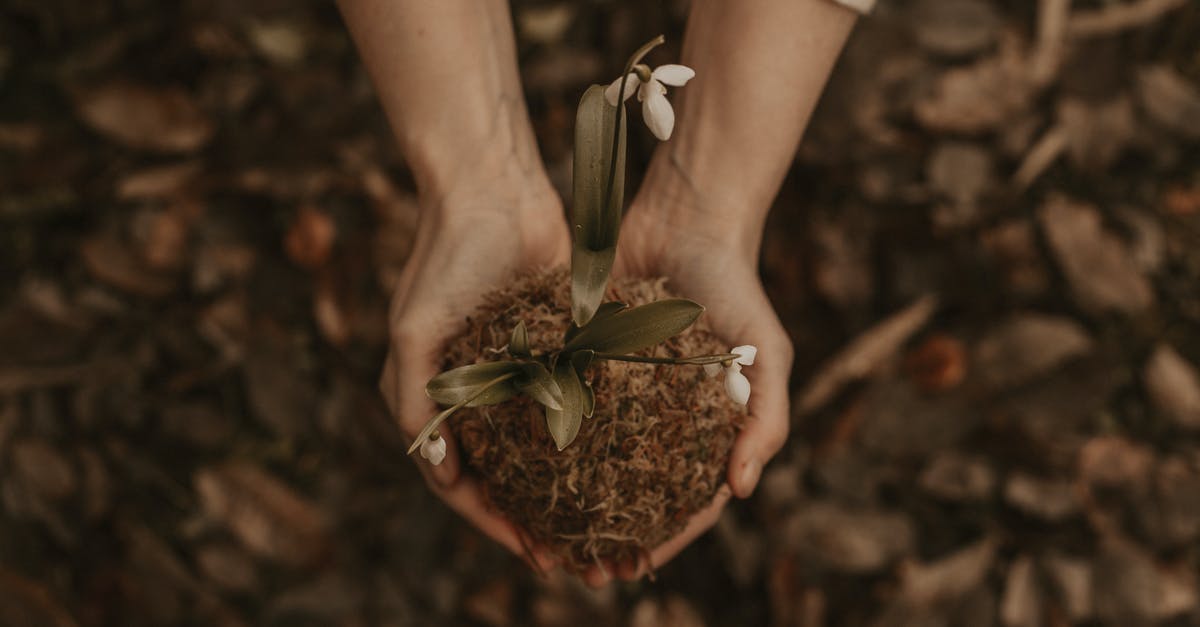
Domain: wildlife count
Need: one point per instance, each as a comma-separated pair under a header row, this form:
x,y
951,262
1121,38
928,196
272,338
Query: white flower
x,y
656,110
737,386
736,383
434,449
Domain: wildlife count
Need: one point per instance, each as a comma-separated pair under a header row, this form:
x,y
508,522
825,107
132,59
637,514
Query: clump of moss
x,y
653,454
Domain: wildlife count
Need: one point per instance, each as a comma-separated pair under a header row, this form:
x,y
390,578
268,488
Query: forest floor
x,y
986,253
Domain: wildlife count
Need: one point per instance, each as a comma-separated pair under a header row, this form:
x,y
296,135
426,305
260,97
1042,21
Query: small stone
x,y
1173,385
1051,500
1028,346
850,541
954,476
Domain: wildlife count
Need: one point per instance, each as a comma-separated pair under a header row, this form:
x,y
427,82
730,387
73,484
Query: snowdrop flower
x,y
737,386
651,91
434,449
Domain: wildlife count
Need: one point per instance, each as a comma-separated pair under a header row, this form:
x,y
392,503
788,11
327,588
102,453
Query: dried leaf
x,y
865,353
159,119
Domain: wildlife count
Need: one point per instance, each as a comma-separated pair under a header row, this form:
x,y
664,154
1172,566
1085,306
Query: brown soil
x,y
654,453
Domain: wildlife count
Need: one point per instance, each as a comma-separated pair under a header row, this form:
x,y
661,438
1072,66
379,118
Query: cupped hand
x,y
718,270
474,240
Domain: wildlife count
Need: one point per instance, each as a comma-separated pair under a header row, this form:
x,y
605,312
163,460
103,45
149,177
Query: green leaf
x,y
563,423
581,359
604,311
518,345
595,224
537,382
475,394
454,386
634,329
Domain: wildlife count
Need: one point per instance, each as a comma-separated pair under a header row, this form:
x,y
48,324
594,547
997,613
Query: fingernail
x,y
749,478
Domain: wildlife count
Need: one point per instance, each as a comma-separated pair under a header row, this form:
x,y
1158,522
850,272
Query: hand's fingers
x,y
696,526
415,364
766,428
465,498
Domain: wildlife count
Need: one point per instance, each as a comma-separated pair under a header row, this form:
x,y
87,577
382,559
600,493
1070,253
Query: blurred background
x,y
986,253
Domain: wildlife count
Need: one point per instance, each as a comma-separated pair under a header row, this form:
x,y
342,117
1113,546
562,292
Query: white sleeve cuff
x,y
861,6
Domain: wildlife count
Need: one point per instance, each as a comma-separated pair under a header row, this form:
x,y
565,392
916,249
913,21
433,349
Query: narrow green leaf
x,y
453,386
596,225
563,423
603,311
634,329
518,345
537,382
475,394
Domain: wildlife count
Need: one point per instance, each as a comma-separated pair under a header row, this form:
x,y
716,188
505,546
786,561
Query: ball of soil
x,y
654,452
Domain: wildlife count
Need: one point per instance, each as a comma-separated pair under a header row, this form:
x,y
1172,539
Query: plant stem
x,y
612,157
441,417
674,361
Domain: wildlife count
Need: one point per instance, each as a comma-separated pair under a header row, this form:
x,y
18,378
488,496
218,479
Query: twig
x,y
1052,26
1040,157
1119,17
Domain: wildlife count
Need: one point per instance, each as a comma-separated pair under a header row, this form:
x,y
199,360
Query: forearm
x,y
446,75
760,68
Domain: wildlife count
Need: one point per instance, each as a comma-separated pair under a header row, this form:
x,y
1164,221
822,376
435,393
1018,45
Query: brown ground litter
x,y
654,453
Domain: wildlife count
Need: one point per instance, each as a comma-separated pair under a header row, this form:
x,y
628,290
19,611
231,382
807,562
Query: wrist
x,y
675,207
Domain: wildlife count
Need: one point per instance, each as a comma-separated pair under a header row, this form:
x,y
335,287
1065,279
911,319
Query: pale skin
x,y
446,75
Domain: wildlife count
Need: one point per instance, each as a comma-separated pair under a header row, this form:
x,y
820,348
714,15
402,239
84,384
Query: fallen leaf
x,y
158,119
1097,265
865,353
1173,385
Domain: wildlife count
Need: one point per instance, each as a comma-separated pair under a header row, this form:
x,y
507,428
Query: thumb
x,y
766,427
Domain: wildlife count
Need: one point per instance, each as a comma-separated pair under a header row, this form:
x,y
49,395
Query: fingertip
x,y
630,570
596,577
744,479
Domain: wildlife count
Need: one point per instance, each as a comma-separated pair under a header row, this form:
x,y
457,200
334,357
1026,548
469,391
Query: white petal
x,y
434,450
746,354
712,370
675,75
631,85
737,386
657,111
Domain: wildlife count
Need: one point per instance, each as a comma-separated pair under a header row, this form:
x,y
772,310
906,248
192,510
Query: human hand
x,y
718,269
475,238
